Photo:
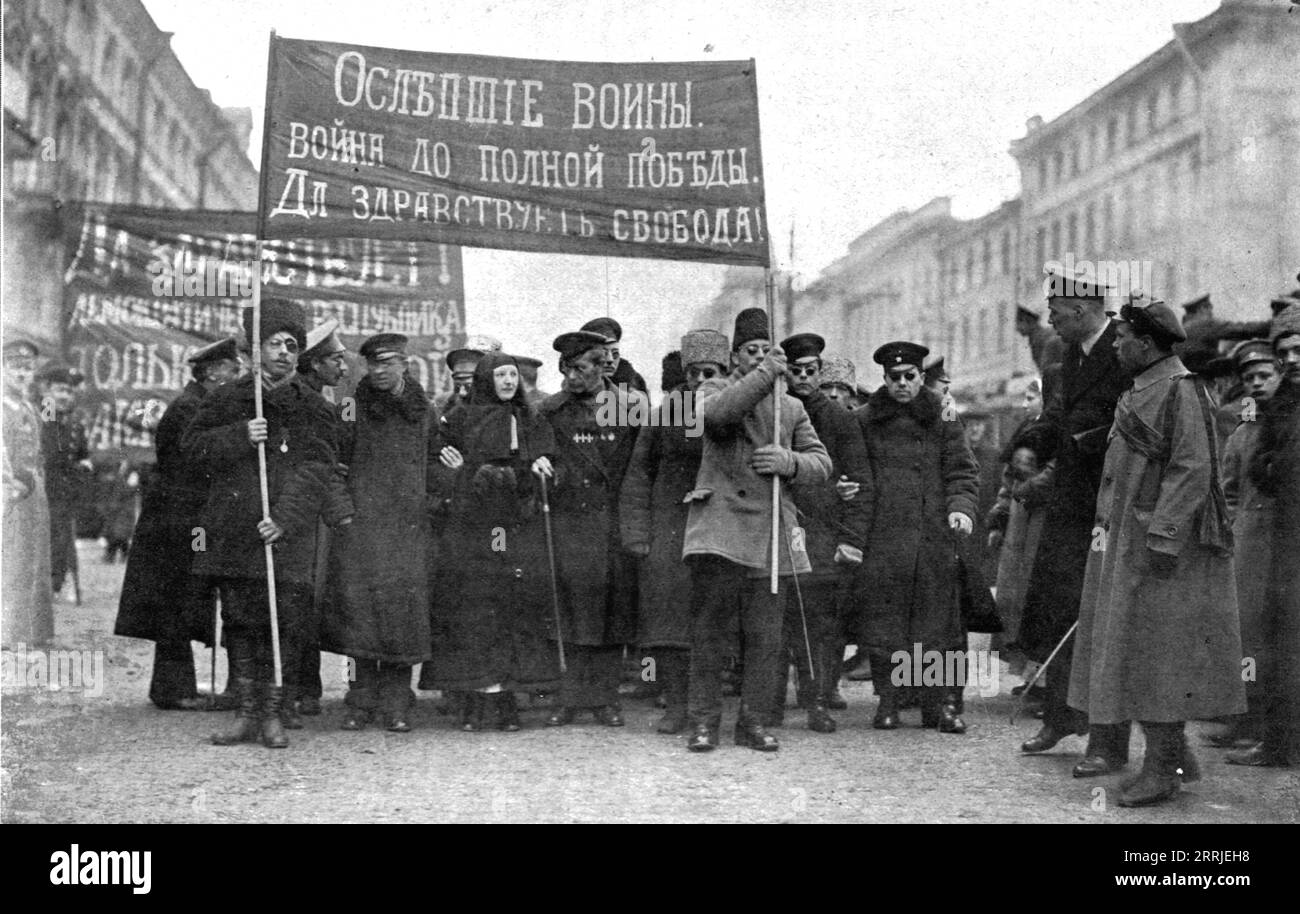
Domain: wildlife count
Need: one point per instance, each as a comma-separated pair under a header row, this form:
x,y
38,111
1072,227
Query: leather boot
x,y
289,718
1158,780
243,664
950,713
886,697
835,667
272,729
819,715
507,712
751,733
704,735
1107,751
473,712
247,719
675,670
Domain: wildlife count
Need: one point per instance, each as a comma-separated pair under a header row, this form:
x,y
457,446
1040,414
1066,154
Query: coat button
x,y
740,492
519,574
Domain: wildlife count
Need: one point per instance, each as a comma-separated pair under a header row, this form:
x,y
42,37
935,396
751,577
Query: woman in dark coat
x,y
376,606
490,632
924,474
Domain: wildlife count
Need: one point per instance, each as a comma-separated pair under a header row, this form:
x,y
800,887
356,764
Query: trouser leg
x,y
715,587
1057,712
761,615
174,675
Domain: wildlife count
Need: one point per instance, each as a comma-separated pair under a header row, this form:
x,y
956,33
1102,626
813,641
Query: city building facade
x,y
99,109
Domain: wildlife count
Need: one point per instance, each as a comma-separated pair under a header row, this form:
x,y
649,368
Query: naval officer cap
x,y
575,343
802,346
1080,282
607,327
216,352
900,352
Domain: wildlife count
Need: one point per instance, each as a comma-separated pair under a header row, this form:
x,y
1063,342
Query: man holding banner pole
x,y
298,435
727,543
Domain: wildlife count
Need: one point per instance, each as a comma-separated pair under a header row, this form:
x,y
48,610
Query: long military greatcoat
x,y
653,510
301,451
1072,433
597,577
1150,648
28,612
922,470
159,600
1252,532
376,604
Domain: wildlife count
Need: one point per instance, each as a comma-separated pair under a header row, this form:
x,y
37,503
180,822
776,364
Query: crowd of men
x,y
768,513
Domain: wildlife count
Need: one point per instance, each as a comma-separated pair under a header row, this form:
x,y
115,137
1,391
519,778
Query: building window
x,y
1175,90
1131,125
1006,252
1058,166
986,262
1042,173
1174,207
1074,159
1090,229
1153,111
1040,248
1194,165
1107,222
1126,217
1056,239
1003,308
970,267
1072,232
965,339
982,339
1093,153
1112,136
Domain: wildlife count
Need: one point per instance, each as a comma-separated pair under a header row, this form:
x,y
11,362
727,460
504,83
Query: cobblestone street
x,y
112,757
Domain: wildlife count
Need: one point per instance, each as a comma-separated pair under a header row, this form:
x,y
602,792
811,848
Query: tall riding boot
x,y
242,672
674,668
1159,778
272,727
289,718
887,698
835,671
819,715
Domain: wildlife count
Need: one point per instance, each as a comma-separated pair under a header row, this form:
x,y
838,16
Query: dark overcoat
x,y
1252,512
301,450
826,518
597,576
1072,433
922,470
376,603
160,600
491,622
652,510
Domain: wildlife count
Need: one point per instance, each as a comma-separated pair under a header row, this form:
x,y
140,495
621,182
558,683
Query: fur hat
x,y
1285,323
751,324
705,346
278,314
838,370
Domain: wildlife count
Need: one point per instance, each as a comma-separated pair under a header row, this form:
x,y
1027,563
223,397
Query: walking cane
x,y
555,581
1039,672
74,564
803,617
261,461
216,642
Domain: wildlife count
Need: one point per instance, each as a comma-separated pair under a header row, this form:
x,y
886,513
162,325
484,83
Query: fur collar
x,y
926,409
412,405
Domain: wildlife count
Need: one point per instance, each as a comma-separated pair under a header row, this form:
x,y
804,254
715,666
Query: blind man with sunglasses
x,y
926,486
728,546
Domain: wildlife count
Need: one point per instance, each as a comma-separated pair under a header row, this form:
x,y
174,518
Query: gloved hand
x,y
847,555
1161,564
772,460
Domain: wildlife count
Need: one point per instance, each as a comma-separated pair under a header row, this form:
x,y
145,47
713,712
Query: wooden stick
x,y
774,581
261,459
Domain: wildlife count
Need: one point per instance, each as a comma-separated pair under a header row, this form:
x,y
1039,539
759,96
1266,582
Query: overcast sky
x,y
866,107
